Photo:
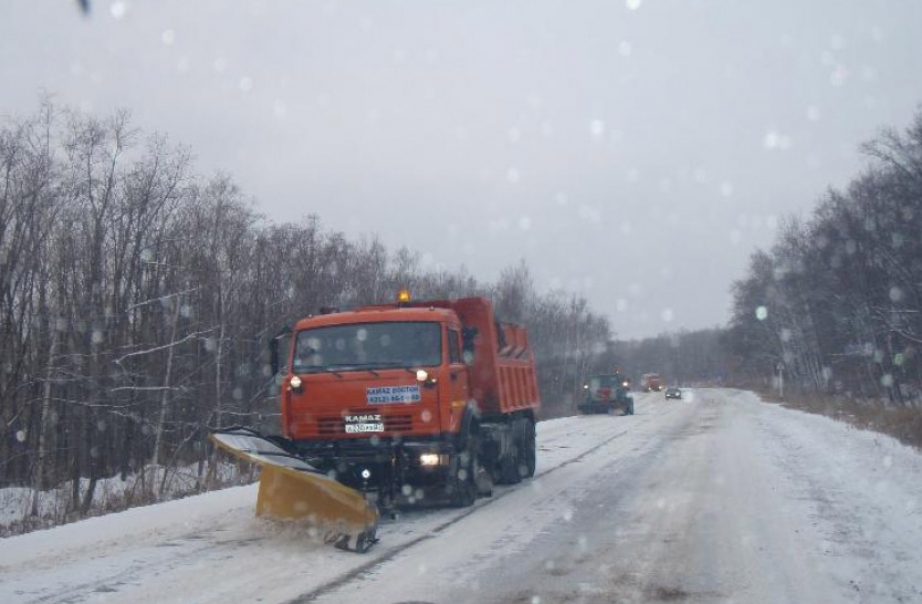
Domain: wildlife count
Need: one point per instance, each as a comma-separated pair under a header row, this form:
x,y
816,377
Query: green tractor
x,y
606,393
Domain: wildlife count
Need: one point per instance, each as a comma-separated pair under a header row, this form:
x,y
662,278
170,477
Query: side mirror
x,y
274,355
278,346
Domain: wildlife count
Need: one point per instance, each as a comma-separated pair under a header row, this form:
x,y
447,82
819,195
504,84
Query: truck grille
x,y
398,423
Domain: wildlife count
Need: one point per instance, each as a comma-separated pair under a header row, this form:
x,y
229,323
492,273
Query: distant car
x,y
673,393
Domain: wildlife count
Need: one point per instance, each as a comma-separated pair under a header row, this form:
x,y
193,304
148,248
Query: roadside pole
x,y
780,368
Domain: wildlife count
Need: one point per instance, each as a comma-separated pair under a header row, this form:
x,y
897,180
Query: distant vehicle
x,y
606,393
651,382
673,392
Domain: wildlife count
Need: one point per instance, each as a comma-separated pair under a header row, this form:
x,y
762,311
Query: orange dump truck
x,y
412,402
651,382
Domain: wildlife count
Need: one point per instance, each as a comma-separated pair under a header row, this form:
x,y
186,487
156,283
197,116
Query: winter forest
x,y
836,303
137,299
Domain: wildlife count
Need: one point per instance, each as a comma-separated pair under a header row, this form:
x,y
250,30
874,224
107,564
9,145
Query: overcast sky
x,y
636,151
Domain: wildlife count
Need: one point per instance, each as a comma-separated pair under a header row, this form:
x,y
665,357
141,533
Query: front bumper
x,y
382,464
602,406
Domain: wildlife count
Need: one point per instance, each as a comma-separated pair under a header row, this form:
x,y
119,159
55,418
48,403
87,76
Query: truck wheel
x,y
509,468
462,484
509,463
530,448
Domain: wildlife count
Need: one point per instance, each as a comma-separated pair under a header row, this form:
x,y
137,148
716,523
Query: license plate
x,y
365,427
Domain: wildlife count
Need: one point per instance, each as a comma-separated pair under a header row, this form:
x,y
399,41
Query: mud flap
x,y
291,489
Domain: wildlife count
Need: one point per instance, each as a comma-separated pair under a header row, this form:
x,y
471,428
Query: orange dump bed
x,y
502,376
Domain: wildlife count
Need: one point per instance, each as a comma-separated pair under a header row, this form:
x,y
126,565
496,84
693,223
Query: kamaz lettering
x,y
363,418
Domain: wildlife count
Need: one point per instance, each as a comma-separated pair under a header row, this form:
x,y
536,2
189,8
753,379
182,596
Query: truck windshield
x,y
604,381
368,346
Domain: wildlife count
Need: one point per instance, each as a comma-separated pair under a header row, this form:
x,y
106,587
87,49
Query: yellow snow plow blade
x,y
291,489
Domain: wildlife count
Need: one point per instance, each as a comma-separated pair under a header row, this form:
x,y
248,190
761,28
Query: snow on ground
x,y
173,551
724,499
720,497
16,502
866,494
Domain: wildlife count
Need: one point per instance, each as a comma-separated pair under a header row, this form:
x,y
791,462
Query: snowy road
x,y
720,498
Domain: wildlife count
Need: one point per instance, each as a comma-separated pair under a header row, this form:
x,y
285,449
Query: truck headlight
x,y
422,375
295,383
429,459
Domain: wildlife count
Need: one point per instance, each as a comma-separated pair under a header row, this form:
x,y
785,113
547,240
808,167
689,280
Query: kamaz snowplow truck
x,y
415,402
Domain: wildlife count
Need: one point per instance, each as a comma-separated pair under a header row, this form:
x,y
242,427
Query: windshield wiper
x,y
379,365
363,366
318,369
394,365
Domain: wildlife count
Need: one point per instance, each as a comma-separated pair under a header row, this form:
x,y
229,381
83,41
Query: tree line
x,y
835,305
137,298
682,358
